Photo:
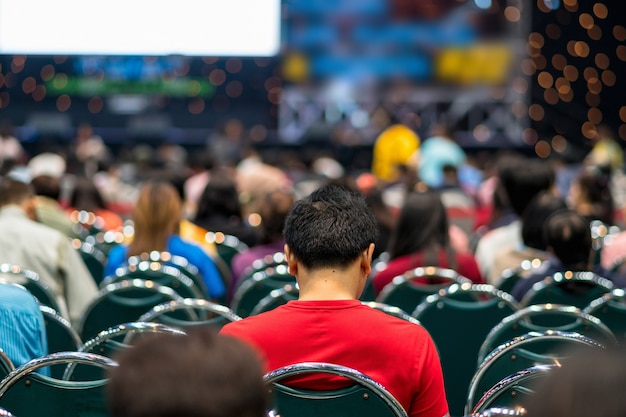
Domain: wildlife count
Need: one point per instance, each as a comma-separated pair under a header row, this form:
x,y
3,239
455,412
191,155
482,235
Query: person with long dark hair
x,y
422,238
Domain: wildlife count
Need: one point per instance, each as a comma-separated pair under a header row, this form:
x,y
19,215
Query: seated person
x,y
22,327
42,249
533,246
198,374
568,239
156,217
273,210
330,239
422,238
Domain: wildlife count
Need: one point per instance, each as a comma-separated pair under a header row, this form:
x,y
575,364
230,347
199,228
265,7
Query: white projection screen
x,y
140,27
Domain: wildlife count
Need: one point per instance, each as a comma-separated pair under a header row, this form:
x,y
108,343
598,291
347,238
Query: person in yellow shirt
x,y
395,146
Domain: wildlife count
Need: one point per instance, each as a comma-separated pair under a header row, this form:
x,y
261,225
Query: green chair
x,y
165,258
459,318
31,281
27,393
268,261
259,285
363,398
159,273
93,258
611,310
511,276
534,348
500,412
392,311
227,246
546,317
122,302
109,342
568,288
202,312
406,291
276,298
5,413
513,392
60,334
6,365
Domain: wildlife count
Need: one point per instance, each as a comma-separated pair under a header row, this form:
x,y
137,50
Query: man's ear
x,y
366,259
292,264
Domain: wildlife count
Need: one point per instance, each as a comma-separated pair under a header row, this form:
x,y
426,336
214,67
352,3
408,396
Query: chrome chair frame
x,y
520,342
526,313
277,375
189,304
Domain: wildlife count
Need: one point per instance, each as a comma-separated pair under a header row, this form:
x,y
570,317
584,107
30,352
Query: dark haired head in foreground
x,y
589,383
198,375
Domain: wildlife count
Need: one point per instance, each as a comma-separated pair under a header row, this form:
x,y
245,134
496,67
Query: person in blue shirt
x,y
22,327
156,217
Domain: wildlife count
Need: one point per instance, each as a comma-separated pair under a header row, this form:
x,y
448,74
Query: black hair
x,y
422,226
85,195
522,179
568,234
594,188
201,374
330,228
537,212
47,186
220,196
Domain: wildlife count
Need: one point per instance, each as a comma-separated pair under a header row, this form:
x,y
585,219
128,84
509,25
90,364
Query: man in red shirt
x,y
329,245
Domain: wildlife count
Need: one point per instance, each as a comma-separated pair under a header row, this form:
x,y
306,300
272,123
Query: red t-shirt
x,y
465,265
399,355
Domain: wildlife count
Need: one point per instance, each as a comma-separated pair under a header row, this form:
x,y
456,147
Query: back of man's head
x,y
14,192
47,186
568,236
201,374
523,178
330,228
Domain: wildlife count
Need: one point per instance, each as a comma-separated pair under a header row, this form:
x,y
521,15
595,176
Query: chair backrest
x,y
227,246
510,276
534,348
406,291
60,335
122,302
205,312
163,274
568,288
364,398
268,261
459,318
111,341
259,285
32,282
276,298
392,311
500,412
27,393
6,365
543,317
5,413
93,258
512,392
149,259
610,308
